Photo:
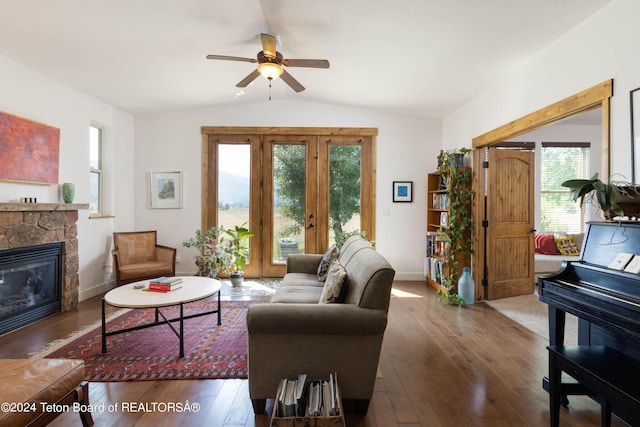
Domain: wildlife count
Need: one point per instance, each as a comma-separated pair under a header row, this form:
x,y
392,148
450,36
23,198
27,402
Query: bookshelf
x,y
437,248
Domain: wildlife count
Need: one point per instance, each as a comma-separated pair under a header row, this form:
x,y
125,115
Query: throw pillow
x,y
545,244
325,262
333,286
567,245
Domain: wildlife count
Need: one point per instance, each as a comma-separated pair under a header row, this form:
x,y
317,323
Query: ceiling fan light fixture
x,y
270,70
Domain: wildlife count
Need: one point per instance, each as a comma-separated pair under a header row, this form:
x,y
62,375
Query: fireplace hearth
x,y
30,284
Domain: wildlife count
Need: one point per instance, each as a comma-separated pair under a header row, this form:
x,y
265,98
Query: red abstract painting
x,y
29,151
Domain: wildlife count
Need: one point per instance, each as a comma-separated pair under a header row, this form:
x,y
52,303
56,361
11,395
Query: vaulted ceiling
x,y
419,57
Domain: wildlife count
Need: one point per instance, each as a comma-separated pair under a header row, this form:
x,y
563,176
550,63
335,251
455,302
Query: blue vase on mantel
x,y
466,286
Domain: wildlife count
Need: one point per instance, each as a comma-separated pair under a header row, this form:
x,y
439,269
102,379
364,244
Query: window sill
x,y
101,216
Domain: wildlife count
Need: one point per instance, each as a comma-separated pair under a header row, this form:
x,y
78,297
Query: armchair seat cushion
x,y
145,269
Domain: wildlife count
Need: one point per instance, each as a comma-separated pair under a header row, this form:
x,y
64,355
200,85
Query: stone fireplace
x,y
30,224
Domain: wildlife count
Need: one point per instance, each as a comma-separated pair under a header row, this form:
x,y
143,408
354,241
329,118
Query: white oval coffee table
x,y
127,296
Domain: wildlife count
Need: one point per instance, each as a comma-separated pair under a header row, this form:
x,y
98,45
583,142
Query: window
x,y
95,179
560,162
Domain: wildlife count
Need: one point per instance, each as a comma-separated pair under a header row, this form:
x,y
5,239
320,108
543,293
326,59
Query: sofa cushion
x,y
301,294
544,243
334,284
298,279
326,261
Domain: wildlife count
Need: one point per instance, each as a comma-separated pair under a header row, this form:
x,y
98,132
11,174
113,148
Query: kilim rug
x,y
211,351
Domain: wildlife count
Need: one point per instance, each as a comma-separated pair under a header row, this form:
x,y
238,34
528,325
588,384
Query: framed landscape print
x,y
402,191
165,190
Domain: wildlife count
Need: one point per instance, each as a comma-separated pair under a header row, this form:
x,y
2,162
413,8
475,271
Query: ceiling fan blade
x,y
310,63
231,58
288,79
251,77
268,44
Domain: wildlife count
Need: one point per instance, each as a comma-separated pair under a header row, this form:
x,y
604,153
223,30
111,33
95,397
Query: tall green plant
x,y
460,225
234,245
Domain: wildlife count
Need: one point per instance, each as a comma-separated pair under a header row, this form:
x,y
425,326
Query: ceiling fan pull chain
x,y
270,89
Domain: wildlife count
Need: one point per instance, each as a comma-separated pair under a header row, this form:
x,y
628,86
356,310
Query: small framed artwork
x,y
402,191
165,190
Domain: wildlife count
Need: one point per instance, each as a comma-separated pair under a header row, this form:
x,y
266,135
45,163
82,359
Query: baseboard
x,y
98,289
409,276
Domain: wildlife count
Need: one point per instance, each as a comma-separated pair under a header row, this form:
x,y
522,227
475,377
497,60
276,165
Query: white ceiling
x,y
421,57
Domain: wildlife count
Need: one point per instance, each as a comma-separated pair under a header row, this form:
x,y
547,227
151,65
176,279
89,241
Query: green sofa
x,y
295,334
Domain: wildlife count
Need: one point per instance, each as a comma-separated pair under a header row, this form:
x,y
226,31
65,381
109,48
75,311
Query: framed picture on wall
x,y
402,191
165,190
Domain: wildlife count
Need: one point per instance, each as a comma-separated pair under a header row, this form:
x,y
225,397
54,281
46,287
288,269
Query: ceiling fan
x,y
270,64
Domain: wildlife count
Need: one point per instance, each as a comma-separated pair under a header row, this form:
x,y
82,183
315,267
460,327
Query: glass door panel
x,y
289,200
235,190
344,190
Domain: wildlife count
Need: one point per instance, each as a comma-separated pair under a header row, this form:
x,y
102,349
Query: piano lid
x,y
603,241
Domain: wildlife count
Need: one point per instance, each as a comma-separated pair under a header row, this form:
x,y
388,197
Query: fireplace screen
x,y
30,284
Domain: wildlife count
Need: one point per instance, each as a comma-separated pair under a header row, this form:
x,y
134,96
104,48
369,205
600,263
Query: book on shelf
x,y
440,201
435,269
437,244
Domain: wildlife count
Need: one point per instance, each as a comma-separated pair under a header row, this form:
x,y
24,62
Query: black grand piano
x,y
606,301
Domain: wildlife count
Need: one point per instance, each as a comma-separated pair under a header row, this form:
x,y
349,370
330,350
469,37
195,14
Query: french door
x,y
297,188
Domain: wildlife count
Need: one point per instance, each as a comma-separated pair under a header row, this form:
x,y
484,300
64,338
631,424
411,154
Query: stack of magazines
x,y
302,398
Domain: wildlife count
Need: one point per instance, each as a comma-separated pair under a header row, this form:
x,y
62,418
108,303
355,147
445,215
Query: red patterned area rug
x,y
211,351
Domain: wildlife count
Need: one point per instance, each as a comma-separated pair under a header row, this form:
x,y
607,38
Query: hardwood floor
x,y
439,366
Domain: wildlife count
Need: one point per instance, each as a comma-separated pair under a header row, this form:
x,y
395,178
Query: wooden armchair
x,y
137,256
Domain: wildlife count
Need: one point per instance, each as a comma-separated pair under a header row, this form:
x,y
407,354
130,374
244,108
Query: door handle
x,y
533,230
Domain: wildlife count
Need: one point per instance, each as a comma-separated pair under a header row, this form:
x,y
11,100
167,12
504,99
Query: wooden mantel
x,y
31,207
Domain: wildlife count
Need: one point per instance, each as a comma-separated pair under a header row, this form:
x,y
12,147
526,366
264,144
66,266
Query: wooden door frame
x,y
593,97
368,190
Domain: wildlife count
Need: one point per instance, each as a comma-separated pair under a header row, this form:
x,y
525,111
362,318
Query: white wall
x,y
599,49
31,95
406,150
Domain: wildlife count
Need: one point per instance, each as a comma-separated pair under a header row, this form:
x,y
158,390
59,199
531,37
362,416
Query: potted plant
x,y
212,257
606,195
237,251
459,228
